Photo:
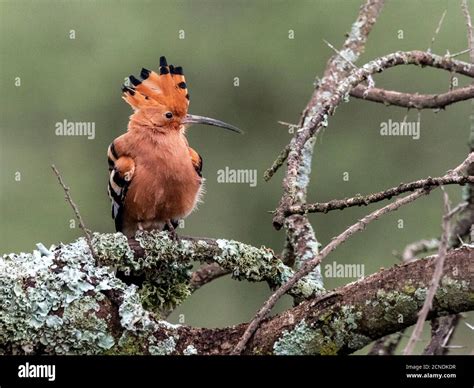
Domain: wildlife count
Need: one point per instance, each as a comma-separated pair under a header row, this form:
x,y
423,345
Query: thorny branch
x,y
387,345
441,333
301,242
309,265
318,117
337,69
339,204
470,30
126,321
67,195
443,328
435,281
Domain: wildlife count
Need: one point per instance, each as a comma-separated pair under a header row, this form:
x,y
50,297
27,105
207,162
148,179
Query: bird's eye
x,y
169,115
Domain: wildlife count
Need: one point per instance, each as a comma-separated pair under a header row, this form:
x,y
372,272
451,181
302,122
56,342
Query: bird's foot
x,y
172,231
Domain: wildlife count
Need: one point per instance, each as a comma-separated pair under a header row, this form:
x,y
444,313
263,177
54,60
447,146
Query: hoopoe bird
x,y
155,177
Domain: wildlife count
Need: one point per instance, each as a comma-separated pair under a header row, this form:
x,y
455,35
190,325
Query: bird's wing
x,y
196,160
121,170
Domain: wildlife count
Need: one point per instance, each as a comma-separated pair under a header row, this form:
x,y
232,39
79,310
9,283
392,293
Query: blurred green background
x,y
79,80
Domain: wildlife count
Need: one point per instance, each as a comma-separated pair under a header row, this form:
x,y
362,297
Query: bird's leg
x,y
172,231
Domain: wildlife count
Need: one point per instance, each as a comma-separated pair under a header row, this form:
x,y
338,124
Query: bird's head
x,y
160,101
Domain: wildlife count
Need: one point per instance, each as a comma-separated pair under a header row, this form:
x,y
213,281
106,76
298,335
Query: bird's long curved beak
x,y
195,119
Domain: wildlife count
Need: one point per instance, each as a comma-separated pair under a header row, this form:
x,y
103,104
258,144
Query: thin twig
x,y
443,328
349,62
298,171
454,55
458,208
387,345
470,31
437,274
339,204
309,265
289,125
319,115
440,23
267,175
74,207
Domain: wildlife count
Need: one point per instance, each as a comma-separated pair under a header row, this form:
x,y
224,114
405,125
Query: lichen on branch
x,y
64,302
166,264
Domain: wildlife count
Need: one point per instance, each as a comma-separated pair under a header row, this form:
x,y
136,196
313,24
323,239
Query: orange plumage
x,y
155,177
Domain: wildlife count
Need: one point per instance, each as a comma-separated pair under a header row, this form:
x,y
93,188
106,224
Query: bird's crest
x,y
168,89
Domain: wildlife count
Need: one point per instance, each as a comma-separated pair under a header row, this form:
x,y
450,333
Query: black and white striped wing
x,y
117,188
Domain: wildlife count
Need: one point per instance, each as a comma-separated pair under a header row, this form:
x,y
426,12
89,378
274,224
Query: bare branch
x,y
437,274
318,115
309,265
206,274
409,100
412,250
267,175
440,23
441,333
470,31
337,69
442,328
339,204
299,231
386,345
67,194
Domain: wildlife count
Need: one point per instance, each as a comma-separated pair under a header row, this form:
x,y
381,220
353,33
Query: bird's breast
x,y
165,185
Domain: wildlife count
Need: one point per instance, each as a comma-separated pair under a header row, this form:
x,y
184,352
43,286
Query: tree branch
x,y
412,250
64,303
340,204
410,100
300,150
442,329
470,30
388,344
164,265
278,162
75,208
309,265
206,274
435,281
299,232
318,116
